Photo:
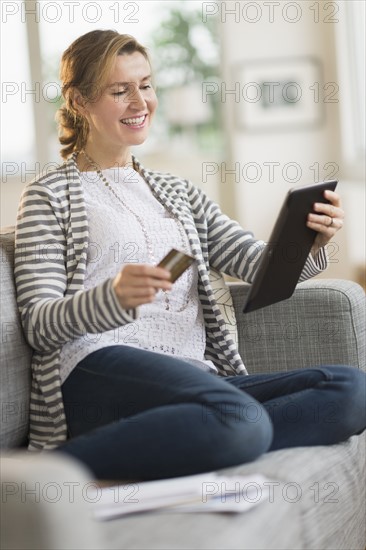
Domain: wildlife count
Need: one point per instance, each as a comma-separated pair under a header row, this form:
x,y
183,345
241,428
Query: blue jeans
x,y
134,414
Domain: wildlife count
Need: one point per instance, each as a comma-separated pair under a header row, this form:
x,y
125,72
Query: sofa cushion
x,y
316,500
16,355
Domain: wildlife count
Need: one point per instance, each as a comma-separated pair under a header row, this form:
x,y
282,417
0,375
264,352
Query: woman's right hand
x,y
138,284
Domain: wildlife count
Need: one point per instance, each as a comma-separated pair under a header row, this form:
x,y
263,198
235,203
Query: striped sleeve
x,y
234,251
314,266
49,316
231,249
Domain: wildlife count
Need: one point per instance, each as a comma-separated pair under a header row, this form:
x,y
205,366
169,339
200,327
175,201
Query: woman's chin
x,y
137,140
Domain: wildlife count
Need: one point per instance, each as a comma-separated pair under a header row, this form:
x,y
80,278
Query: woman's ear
x,y
79,102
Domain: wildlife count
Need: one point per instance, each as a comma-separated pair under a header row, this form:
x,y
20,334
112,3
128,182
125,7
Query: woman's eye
x,y
124,92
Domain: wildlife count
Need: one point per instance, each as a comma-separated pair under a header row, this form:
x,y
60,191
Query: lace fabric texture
x,y
116,239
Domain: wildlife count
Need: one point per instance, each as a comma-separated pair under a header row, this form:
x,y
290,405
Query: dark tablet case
x,y
288,247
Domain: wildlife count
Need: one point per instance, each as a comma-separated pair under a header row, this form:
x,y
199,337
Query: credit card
x,y
176,262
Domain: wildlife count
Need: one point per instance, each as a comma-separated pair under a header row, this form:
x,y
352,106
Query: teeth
x,y
134,121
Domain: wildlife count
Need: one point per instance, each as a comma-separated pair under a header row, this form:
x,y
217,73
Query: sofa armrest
x,y
323,323
45,503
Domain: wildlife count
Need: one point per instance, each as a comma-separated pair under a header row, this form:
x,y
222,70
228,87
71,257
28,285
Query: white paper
x,y
209,492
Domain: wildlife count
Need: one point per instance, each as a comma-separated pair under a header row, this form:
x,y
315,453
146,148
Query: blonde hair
x,y
85,66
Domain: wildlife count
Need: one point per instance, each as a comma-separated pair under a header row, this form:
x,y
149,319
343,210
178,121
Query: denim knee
x,y
244,438
350,400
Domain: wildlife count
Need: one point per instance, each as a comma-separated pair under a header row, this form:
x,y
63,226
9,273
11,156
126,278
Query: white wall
x,y
256,205
10,192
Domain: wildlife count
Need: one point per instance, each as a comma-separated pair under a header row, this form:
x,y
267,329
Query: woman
x,y
136,377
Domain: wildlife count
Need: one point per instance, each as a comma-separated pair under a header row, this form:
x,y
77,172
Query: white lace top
x,y
115,239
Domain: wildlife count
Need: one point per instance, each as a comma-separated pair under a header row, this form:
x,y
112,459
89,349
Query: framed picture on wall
x,y
279,94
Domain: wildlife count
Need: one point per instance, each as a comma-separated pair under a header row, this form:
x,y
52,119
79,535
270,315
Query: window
x,y
351,68
17,97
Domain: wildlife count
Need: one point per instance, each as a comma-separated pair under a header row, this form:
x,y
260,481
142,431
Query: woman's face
x,y
121,116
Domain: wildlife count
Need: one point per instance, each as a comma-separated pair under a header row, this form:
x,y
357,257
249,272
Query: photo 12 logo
x,y
70,12
268,172
252,491
270,12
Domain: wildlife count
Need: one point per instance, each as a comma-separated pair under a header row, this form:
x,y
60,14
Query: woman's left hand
x,y
326,219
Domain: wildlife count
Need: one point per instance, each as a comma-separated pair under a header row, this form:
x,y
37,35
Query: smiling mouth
x,y
135,121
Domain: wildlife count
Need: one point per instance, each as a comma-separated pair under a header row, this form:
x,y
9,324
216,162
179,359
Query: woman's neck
x,y
95,158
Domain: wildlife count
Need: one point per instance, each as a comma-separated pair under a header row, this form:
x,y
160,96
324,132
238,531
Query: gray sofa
x,y
318,498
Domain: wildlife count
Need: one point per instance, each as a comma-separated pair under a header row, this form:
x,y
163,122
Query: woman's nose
x,y
137,100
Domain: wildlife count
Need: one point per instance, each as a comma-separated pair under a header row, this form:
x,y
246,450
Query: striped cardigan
x,y
51,244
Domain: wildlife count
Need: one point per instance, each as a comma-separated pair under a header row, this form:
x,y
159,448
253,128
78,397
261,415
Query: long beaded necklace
x,y
144,230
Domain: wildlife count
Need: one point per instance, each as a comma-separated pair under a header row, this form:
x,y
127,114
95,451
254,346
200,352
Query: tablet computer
x,y
288,247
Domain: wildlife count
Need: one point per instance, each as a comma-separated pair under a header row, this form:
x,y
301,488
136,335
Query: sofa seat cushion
x,y
316,500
